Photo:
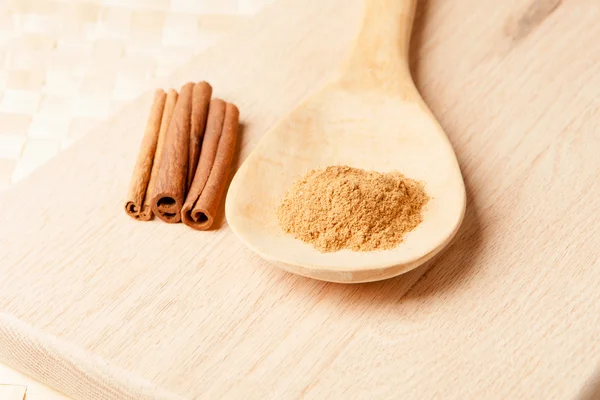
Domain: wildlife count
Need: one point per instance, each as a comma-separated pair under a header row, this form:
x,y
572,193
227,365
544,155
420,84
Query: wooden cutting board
x,y
510,310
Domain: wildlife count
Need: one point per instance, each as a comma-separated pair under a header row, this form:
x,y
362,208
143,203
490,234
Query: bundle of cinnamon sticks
x,y
184,160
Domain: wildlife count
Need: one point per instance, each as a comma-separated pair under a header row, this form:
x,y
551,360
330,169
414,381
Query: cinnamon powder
x,y
341,207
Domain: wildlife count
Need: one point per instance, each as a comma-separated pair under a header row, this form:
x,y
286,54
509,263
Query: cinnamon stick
x,y
171,181
216,155
164,127
200,102
136,205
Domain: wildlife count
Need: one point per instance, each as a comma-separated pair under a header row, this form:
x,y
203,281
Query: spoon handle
x,y
380,54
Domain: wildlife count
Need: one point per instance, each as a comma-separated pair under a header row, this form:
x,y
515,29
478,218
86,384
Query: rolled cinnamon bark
x,y
164,127
137,204
200,102
171,181
210,179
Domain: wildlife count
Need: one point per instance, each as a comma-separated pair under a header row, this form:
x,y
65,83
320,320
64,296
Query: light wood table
x,y
510,310
22,384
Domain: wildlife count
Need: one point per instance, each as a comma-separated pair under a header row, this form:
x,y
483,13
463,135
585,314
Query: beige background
x,y
66,64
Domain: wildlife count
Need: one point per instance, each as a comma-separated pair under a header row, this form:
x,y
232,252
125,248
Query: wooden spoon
x,y
373,118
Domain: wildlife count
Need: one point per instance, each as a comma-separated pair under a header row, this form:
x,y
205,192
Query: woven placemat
x,y
65,64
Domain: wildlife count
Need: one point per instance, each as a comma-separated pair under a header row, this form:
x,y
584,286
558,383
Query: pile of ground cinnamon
x,y
341,207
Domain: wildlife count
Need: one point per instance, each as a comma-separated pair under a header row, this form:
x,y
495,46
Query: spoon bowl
x,y
372,118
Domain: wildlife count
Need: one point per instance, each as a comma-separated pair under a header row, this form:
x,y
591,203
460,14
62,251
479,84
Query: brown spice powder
x,y
341,207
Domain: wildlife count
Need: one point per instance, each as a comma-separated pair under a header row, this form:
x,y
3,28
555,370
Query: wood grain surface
x,y
510,310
